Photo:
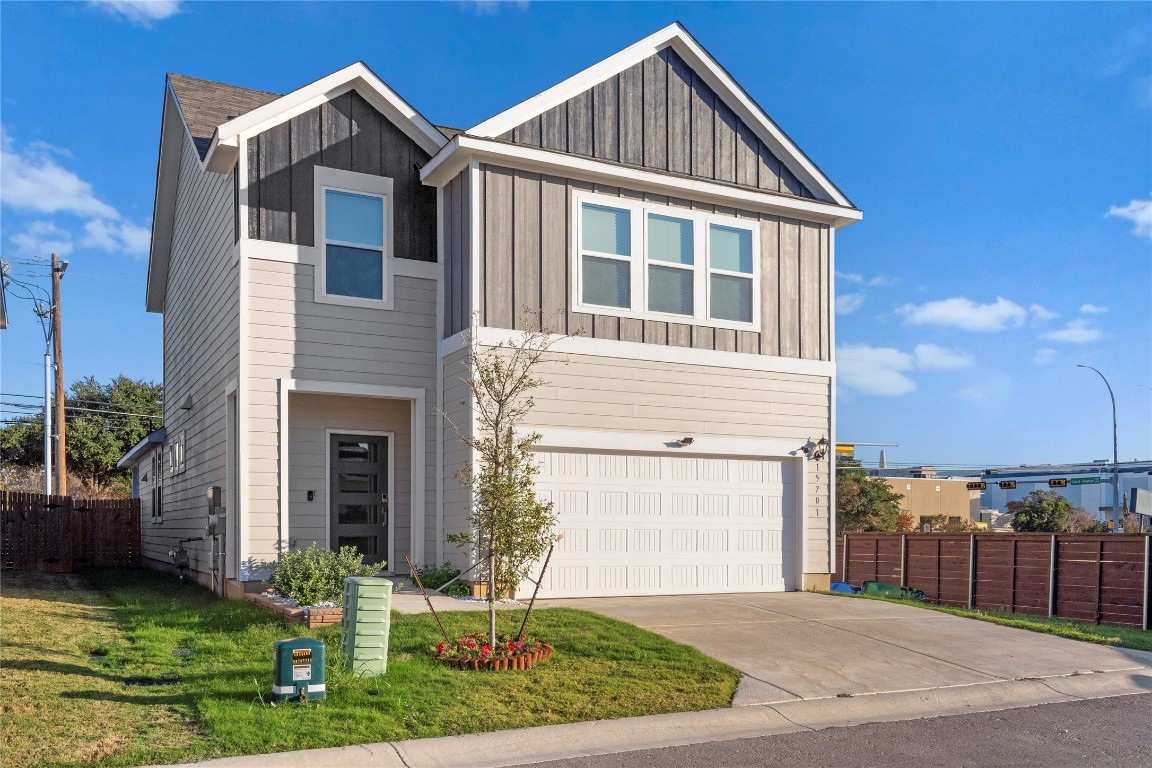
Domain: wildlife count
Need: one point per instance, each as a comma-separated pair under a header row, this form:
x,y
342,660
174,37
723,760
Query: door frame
x,y
390,555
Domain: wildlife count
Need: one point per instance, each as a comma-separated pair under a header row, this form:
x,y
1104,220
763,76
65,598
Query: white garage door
x,y
653,524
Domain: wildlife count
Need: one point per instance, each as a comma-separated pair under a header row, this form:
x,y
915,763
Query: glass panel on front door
x,y
359,505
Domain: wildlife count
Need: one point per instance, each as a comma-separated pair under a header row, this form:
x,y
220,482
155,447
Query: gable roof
x,y
224,147
713,74
206,104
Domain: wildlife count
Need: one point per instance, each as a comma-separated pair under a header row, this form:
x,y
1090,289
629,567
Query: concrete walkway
x,y
810,662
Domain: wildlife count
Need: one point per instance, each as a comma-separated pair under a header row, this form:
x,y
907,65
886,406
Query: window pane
x,y
731,249
607,282
670,290
608,230
354,272
731,298
353,218
358,514
669,239
350,483
357,452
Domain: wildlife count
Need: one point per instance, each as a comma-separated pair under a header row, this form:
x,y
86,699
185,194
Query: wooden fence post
x,y
1099,577
971,570
1052,579
1147,593
844,560
1012,596
903,559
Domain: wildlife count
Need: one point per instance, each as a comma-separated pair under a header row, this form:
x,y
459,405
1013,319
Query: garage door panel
x,y
656,524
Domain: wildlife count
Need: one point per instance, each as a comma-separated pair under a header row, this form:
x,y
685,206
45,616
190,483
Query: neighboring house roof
x,y
206,104
702,62
141,449
449,133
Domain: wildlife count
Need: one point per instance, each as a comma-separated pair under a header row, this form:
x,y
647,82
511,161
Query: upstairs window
x,y
353,245
353,238
655,262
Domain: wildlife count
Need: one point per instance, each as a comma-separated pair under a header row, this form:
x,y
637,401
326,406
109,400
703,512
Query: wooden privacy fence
x,y
1093,577
59,533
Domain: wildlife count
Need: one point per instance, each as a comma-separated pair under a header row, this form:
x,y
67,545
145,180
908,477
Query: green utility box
x,y
364,626
876,589
299,670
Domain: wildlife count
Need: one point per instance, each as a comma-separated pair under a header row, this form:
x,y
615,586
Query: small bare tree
x,y
510,526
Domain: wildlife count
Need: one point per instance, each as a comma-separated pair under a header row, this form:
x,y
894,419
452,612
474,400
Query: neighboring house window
x,y
158,486
176,463
660,263
353,235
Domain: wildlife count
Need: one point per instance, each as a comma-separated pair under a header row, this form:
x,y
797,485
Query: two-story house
x,y
321,259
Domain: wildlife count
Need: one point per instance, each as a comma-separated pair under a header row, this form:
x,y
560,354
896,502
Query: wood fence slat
x,y
59,533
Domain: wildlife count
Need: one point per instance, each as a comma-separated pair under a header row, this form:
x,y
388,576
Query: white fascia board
x,y
173,129
675,36
634,350
463,150
357,77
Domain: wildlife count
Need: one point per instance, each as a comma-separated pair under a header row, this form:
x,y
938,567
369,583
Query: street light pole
x,y
1115,455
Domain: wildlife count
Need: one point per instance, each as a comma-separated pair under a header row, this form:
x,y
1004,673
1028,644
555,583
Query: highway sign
x,y
1085,481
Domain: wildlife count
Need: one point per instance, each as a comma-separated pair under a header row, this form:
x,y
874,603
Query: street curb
x,y
599,737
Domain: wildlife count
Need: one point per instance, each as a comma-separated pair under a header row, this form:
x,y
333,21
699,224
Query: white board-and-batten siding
x,y
592,393
291,336
201,343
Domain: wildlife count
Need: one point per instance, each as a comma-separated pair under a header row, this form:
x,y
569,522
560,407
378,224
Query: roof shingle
x,y
206,105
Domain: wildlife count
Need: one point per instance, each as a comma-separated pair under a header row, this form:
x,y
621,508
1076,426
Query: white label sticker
x,y
301,671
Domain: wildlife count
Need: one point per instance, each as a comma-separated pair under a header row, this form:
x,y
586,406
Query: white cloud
x,y
874,370
117,236
140,12
1093,309
1075,332
847,303
1041,314
967,315
489,7
850,277
31,181
1139,212
40,239
1044,356
933,358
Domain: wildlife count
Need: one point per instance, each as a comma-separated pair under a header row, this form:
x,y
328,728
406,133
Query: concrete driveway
x,y
800,645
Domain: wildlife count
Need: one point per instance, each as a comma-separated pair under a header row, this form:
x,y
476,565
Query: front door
x,y
358,506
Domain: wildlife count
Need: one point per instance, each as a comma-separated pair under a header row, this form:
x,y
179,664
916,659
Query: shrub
x,y
317,575
436,576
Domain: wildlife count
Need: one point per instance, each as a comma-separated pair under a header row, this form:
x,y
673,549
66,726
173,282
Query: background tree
x,y
103,422
864,503
510,527
1041,511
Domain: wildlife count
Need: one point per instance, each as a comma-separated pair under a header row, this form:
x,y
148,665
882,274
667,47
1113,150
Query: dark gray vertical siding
x,y
348,134
527,240
659,114
457,231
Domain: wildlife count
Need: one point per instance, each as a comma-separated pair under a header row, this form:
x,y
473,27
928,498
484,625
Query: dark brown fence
x,y
59,533
1093,577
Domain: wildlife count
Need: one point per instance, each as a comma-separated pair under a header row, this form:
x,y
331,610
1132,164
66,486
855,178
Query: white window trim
x,y
701,267
359,184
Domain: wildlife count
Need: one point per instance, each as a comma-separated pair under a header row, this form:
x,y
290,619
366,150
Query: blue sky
x,y
1002,154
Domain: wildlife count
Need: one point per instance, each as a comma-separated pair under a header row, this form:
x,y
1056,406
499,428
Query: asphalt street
x,y
1086,734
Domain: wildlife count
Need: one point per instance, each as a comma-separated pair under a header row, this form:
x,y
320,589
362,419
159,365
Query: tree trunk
x,y
492,597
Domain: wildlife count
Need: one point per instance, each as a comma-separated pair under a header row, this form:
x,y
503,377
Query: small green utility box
x,y
299,670
364,625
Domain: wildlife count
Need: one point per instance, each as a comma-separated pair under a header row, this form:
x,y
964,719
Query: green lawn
x,y
1102,634
220,705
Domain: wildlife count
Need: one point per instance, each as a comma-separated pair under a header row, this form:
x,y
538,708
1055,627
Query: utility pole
x,y
58,269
